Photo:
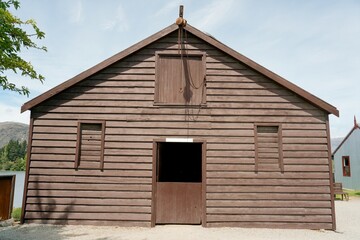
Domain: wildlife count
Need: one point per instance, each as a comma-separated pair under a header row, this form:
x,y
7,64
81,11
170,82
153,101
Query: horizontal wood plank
x,y
269,224
268,203
87,208
265,218
268,189
117,223
267,182
89,201
94,194
89,186
89,216
89,179
268,196
268,211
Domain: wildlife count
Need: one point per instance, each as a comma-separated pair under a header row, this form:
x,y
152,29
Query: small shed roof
x,y
210,40
356,126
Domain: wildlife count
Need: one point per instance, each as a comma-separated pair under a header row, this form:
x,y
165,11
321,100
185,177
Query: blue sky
x,y
312,43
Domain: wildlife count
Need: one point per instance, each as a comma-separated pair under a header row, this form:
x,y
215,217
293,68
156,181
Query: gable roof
x,y
356,126
278,79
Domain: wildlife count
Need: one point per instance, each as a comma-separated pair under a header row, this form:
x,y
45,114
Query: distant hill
x,y
13,130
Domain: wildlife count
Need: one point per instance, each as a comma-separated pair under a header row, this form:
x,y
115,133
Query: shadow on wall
x,y
44,210
187,91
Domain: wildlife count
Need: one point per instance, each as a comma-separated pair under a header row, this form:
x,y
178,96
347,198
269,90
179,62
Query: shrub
x,y
16,214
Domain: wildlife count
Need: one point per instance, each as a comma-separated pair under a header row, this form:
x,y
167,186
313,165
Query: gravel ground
x,y
347,216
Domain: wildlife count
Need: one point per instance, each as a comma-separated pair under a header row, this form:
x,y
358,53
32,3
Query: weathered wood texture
x,y
90,145
187,79
178,203
237,98
7,184
268,148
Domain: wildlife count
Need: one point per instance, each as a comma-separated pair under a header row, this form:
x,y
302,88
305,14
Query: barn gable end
x,y
277,175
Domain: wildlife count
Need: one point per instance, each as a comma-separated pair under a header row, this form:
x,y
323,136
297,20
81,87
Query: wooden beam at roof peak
x,y
180,21
181,11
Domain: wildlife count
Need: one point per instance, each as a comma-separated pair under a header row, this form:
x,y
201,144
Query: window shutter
x,y
268,148
90,146
346,166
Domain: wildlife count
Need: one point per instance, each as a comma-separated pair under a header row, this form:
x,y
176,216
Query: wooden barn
x,y
179,129
347,159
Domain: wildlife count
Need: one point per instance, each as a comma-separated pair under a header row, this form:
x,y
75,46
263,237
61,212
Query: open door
x,y
178,183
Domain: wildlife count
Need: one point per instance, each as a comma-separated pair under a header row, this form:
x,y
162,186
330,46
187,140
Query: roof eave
x,y
87,73
347,136
344,140
257,67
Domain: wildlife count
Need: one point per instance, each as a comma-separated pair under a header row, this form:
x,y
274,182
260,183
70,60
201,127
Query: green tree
x,y
13,156
18,165
13,39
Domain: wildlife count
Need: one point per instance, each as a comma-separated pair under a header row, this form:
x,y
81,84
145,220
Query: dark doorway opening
x,y
179,162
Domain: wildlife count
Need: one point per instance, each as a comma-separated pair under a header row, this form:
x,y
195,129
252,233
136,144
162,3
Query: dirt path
x,y
347,215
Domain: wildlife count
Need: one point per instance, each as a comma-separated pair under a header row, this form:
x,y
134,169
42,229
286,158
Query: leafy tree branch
x,y
13,39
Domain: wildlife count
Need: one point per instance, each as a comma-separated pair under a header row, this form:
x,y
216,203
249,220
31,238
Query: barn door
x,y
178,183
7,184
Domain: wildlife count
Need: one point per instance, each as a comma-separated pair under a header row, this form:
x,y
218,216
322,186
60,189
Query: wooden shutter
x,y
346,166
90,145
268,148
180,80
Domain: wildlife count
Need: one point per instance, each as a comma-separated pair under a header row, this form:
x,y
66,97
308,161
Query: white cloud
x,y
11,113
76,12
167,8
119,22
212,15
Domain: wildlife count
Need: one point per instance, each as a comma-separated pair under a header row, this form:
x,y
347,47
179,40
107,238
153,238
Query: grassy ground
x,y
353,193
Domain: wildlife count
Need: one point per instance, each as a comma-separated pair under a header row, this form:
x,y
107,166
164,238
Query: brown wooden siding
x,y
237,98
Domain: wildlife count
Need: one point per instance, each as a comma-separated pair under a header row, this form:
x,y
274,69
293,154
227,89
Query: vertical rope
x,y
182,76
179,41
194,116
190,113
187,113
